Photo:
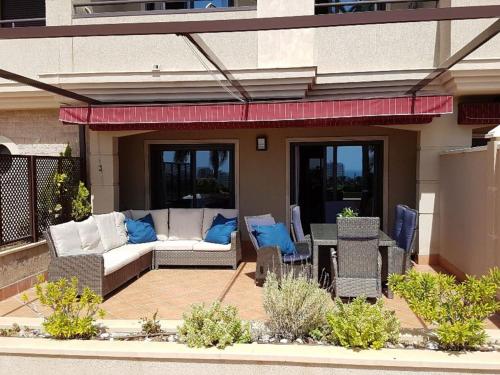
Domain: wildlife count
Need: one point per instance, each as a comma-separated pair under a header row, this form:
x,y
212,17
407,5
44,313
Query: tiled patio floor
x,y
172,291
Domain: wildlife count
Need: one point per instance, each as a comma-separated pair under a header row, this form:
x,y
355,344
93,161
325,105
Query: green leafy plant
x,y
348,212
360,324
10,332
67,152
60,190
295,304
457,309
151,326
73,316
216,325
80,205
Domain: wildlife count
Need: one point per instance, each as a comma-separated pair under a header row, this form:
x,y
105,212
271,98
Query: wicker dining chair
x,y
357,264
270,259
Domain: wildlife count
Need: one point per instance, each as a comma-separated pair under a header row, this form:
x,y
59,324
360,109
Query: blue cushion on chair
x,y
408,228
398,222
221,230
297,224
141,231
275,235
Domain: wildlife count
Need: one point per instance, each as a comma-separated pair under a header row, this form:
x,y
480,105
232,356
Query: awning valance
x,y
383,111
486,113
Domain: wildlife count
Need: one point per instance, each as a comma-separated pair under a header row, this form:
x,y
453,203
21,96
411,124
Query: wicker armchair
x,y
270,259
404,233
357,264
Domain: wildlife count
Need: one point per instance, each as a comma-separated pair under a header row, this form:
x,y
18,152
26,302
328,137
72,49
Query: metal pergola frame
x,y
191,28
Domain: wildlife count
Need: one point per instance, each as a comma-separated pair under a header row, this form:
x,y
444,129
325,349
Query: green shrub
x,y
10,332
80,205
348,212
73,316
295,305
457,309
150,326
213,326
360,324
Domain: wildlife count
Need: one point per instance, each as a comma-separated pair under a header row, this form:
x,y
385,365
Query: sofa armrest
x,y
87,268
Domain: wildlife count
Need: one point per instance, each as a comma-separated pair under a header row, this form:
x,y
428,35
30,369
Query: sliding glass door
x,y
328,177
189,176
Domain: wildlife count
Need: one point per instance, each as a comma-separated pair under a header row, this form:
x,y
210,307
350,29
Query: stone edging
x,y
325,356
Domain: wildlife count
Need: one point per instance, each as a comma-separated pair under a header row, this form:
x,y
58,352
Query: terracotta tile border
x,y
19,286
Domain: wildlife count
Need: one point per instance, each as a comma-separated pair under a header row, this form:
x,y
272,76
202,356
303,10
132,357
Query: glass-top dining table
x,y
325,236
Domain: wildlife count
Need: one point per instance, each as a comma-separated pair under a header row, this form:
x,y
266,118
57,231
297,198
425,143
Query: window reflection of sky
x,y
352,159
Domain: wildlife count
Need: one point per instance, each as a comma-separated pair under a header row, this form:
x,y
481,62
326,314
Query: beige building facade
x,y
308,64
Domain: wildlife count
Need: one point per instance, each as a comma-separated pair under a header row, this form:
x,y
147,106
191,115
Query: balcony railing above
x,y
105,8
22,22
350,6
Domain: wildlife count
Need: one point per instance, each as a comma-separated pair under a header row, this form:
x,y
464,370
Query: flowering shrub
x,y
295,305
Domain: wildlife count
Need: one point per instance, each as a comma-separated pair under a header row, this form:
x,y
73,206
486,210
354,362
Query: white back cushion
x,y
185,223
209,215
112,230
66,239
89,236
160,219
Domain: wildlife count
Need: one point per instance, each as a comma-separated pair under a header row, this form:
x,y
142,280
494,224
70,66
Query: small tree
x,y
73,316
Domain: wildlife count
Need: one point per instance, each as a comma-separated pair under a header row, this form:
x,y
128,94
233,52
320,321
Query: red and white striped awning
x,y
380,111
486,113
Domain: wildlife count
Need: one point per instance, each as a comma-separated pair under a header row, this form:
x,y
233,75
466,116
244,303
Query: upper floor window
x,y
99,7
21,13
350,6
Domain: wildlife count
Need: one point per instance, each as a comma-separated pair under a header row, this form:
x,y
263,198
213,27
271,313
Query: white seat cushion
x,y
209,215
160,220
185,223
140,249
207,246
175,245
118,258
112,230
66,239
89,236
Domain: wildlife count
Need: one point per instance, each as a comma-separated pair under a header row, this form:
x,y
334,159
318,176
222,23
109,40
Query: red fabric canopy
x,y
383,111
479,113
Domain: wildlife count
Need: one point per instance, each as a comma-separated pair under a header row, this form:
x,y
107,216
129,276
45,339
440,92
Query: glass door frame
x,y
180,142
384,140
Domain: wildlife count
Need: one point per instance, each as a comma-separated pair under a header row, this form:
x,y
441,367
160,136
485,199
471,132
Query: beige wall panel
x,y
262,175
463,211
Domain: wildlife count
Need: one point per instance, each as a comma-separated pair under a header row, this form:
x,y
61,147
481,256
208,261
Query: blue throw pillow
x,y
221,230
141,231
275,235
220,219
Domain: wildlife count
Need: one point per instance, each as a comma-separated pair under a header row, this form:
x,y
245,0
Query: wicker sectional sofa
x,y
97,253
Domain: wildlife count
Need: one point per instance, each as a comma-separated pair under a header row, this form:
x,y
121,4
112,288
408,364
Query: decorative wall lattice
x,y
30,200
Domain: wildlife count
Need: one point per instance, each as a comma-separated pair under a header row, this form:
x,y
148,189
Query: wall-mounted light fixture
x,y
261,143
